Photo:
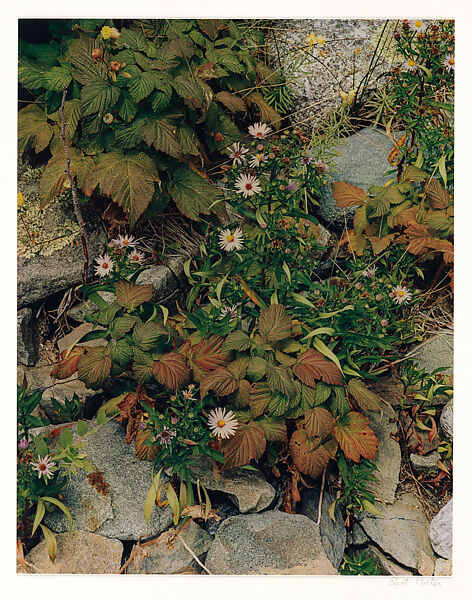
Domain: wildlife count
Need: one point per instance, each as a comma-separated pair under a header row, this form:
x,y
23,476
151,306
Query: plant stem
x,y
73,187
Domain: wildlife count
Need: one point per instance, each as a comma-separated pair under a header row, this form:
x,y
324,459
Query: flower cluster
x,y
120,259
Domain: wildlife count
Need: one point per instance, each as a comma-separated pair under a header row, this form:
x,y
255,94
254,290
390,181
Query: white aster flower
x,y
449,62
238,154
247,185
136,257
259,130
418,26
410,65
222,424
104,265
231,240
43,467
257,159
232,310
400,294
369,272
126,241
188,394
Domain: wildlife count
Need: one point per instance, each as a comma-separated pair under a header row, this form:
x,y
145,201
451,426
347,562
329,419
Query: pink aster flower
x,y
238,154
384,322
321,166
136,257
165,437
259,130
44,467
292,186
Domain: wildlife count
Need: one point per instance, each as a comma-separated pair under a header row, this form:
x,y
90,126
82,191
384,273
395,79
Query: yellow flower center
x,y
418,23
230,238
451,61
400,294
411,63
221,423
125,242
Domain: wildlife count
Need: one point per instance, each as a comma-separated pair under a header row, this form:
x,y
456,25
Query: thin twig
x,y
195,557
73,187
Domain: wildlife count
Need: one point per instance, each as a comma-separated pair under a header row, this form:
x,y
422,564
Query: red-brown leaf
x,y
312,366
275,323
260,396
246,444
318,423
345,194
355,437
95,365
307,456
436,195
68,366
205,356
221,381
171,370
130,295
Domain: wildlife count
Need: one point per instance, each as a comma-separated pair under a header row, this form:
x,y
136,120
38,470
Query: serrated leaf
x,y
122,325
237,340
267,114
309,457
126,106
146,335
318,423
413,174
339,405
279,404
56,78
121,352
128,180
221,381
210,27
140,85
142,366
98,96
205,356
162,135
278,379
188,89
379,206
94,366
321,347
231,101
83,67
361,221
256,368
193,194
242,396
260,396
160,98
419,238
355,437
67,365
171,370
177,46
246,444
380,244
312,366
275,323
322,393
132,38
436,195
274,431
365,398
130,295
33,129
345,194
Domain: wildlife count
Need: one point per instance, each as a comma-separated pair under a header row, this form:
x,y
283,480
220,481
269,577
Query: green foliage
x,y
356,496
70,410
140,104
358,564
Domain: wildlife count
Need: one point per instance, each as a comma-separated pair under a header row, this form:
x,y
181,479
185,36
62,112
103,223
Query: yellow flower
x,y
20,200
320,40
106,32
347,98
311,38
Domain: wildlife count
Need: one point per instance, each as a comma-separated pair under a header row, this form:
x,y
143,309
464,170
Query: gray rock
x,y
172,557
361,161
39,378
42,275
249,490
388,458
385,565
333,533
345,56
224,510
440,531
166,280
25,350
436,352
425,464
443,568
78,552
446,420
270,543
402,530
111,501
78,312
357,536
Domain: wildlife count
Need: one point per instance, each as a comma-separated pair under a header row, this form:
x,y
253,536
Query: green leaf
x,y
151,496
132,38
41,447
237,340
193,194
173,503
98,96
189,89
121,352
369,507
162,135
274,430
146,335
82,427
57,78
160,98
128,180
51,543
66,437
275,323
126,106
140,85
33,129
364,397
121,325
83,68
256,368
129,136
278,379
40,511
60,505
94,366
442,169
322,393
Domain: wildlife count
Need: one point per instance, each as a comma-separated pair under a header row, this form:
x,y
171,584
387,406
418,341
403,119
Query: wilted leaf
x,y
67,366
205,356
380,244
246,444
172,370
413,174
418,238
33,129
345,194
231,101
267,114
355,437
